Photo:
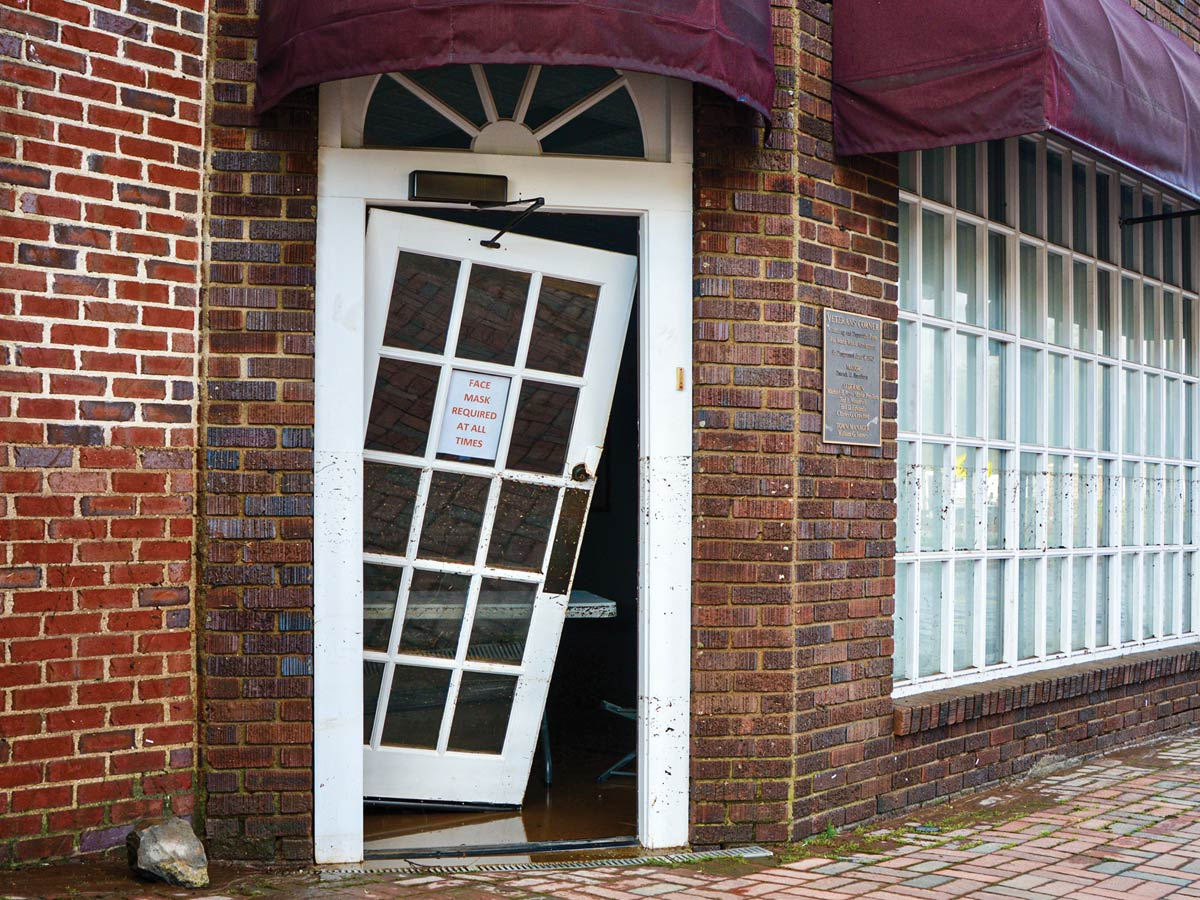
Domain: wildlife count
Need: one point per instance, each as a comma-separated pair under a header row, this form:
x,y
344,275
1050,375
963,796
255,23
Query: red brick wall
x,y
793,538
949,741
100,151
256,571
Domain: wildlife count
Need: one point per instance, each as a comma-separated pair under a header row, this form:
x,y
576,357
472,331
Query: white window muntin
x,y
1076,505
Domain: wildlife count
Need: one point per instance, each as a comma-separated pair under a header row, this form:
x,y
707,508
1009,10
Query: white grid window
x,y
1048,458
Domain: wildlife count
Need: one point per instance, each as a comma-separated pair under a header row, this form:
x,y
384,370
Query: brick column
x,y
100,151
794,538
256,573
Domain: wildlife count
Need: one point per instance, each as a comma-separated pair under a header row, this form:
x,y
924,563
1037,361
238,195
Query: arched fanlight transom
x,y
524,110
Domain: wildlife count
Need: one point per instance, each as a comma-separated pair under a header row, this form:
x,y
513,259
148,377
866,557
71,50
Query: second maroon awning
x,y
913,74
722,43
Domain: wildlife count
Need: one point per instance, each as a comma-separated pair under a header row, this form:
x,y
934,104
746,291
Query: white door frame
x,y
660,195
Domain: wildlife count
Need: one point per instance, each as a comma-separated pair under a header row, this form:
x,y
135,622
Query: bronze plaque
x,y
853,373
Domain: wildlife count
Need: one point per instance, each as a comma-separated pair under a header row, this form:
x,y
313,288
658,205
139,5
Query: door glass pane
x,y
1185,230
1056,301
1027,609
1081,318
388,496
433,620
1103,599
372,679
997,297
381,586
562,327
1079,602
453,517
543,428
966,372
481,716
993,633
997,390
1054,197
501,621
1031,320
995,499
1189,421
1054,604
401,407
455,86
966,296
522,527
966,196
506,81
965,474
929,642
934,380
568,86
415,704
422,296
1079,216
933,506
964,613
933,263
491,323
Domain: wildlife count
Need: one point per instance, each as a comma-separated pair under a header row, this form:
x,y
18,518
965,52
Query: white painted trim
x,y
660,195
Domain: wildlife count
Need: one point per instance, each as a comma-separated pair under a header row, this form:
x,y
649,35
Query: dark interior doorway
x,y
591,710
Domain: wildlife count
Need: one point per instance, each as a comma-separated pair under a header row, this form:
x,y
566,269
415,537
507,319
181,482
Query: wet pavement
x,y
1126,825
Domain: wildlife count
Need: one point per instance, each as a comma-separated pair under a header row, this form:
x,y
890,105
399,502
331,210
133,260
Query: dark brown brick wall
x,y
793,538
256,551
949,741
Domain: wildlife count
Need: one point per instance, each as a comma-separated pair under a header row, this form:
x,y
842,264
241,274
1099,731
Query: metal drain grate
x,y
415,867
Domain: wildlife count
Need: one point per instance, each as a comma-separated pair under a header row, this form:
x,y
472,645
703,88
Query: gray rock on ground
x,y
167,850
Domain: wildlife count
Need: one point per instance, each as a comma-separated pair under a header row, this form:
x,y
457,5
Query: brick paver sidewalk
x,y
1126,826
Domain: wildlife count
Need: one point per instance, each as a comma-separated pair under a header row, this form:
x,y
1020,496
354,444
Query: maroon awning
x,y
913,74
723,43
